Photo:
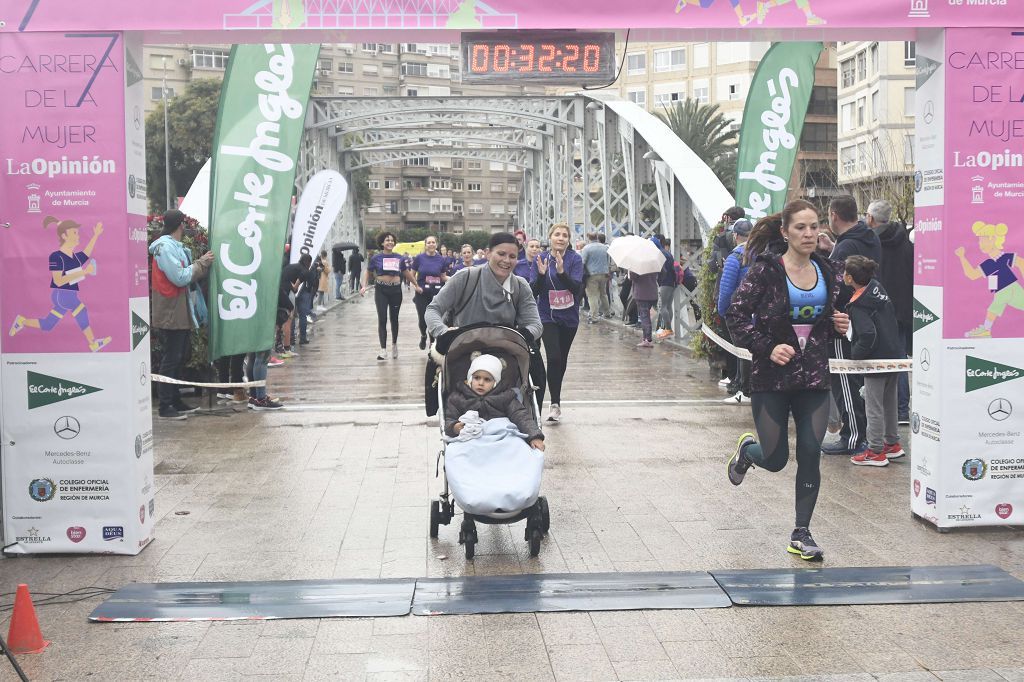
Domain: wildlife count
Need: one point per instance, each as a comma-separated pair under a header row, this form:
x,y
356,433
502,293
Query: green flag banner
x,y
255,145
773,119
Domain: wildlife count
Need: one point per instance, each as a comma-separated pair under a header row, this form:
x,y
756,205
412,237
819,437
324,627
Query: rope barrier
x,y
834,366
237,384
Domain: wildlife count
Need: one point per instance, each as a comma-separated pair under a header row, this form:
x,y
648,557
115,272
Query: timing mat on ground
x,y
257,600
869,585
540,592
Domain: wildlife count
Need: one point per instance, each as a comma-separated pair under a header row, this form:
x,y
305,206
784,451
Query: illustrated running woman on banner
x,y
68,267
998,268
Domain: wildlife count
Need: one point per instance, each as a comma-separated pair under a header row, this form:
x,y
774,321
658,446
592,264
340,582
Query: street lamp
x,y
167,142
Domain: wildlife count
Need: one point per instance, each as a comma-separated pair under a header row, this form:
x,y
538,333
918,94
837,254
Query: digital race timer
x,y
550,56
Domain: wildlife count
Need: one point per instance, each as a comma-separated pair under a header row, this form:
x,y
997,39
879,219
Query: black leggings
x,y
557,342
389,300
422,301
771,418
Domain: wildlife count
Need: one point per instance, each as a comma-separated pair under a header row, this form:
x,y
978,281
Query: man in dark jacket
x,y
338,267
896,274
853,238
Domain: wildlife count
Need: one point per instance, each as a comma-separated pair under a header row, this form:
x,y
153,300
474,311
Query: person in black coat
x,y
896,274
875,337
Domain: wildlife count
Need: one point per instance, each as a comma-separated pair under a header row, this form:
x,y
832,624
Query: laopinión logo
x,y
974,469
42,489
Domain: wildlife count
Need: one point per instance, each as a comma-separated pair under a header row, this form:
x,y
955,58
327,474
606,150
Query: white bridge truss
x,y
590,161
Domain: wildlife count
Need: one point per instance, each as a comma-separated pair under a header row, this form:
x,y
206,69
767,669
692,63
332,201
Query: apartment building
x,y
876,121
435,192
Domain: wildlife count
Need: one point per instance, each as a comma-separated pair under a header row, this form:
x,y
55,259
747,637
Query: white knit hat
x,y
488,363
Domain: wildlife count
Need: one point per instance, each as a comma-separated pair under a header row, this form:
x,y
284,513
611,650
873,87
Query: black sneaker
x,y
903,420
738,463
423,343
266,403
802,544
170,413
185,408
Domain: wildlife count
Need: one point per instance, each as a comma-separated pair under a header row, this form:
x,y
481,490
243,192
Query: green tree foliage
x,y
191,118
705,130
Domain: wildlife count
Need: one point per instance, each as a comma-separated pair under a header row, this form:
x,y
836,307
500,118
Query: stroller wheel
x,y
435,517
467,536
535,538
545,515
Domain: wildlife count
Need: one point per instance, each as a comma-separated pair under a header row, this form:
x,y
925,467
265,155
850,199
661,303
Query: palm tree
x,y
705,130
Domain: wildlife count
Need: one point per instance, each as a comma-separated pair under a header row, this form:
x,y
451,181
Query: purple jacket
x,y
571,280
759,320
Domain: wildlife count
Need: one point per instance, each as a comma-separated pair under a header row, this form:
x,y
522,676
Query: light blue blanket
x,y
497,473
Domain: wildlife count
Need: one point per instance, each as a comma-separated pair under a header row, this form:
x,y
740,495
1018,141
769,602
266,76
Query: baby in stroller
x,y
476,401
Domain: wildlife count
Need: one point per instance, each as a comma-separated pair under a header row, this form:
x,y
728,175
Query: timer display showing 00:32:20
x,y
543,58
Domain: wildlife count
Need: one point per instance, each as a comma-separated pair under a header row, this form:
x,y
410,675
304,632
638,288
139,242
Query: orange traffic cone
x,y
24,637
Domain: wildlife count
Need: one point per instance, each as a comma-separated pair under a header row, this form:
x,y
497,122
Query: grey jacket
x,y
485,301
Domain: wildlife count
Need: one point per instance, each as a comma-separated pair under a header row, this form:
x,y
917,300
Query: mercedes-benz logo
x,y
67,428
929,111
1000,409
925,359
143,374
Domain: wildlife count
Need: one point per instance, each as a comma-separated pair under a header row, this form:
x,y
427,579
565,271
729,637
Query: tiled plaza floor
x,y
338,487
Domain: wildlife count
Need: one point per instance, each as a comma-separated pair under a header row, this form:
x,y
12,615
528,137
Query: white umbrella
x,y
636,254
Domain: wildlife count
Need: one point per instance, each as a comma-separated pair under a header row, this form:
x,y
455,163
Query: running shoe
x,y
383,354
738,463
841,448
223,397
265,403
239,397
870,458
893,451
724,383
99,344
645,344
184,408
801,543
903,420
554,412
739,399
663,334
274,361
171,414
19,324
979,332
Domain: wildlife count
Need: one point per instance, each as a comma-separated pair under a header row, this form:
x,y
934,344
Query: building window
x,y
818,137
457,184
440,205
862,65
412,92
497,186
874,58
638,97
497,209
369,69
345,67
387,69
701,93
513,209
861,104
734,91
670,60
390,183
847,117
414,69
908,101
666,99
373,184
513,188
156,94
474,165
441,183
473,186
417,161
346,90
823,101
848,160
875,105
385,48
636,63
370,47
392,206
457,164
209,59
391,91
497,165
909,54
862,154
700,56
369,92
457,209
324,66
847,73
417,205
476,209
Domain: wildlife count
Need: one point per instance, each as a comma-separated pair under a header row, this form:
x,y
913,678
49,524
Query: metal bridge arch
x,y
589,160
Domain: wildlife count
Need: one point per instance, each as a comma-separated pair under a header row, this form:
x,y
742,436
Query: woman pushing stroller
x,y
476,401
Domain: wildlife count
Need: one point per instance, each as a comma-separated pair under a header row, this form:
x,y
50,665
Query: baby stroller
x,y
512,347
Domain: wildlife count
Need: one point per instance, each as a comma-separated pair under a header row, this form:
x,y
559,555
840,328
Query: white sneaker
x,y
321,309
739,399
724,383
554,413
832,439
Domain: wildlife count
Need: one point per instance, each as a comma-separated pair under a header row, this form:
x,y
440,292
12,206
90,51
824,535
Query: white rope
x,y
834,366
237,384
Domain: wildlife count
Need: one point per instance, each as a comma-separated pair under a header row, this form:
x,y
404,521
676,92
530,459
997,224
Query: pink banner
x,y
62,150
984,234
241,15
